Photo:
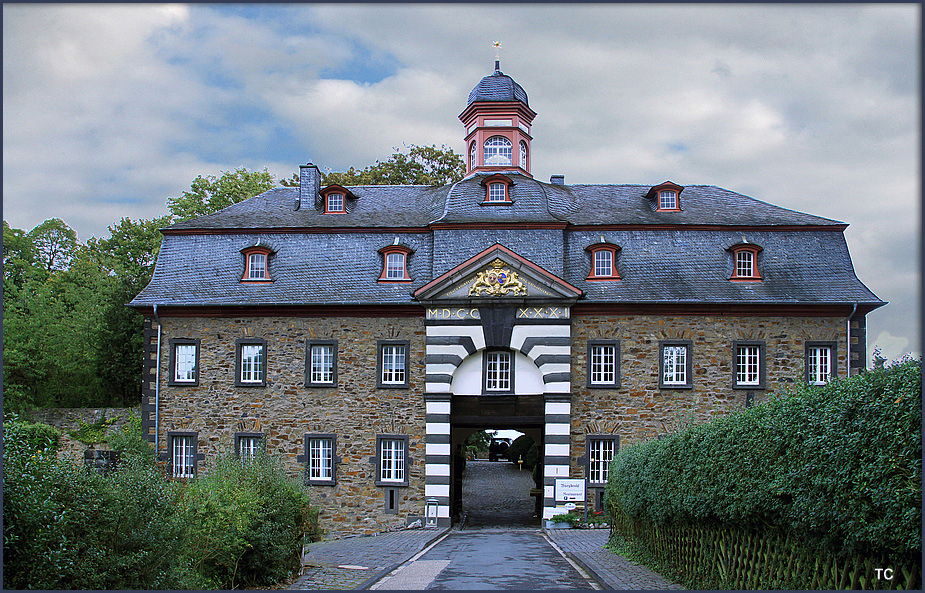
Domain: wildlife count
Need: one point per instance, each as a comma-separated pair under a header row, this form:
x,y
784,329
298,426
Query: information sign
x,y
568,490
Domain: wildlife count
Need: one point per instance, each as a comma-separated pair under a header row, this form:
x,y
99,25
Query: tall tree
x,y
210,194
54,243
421,165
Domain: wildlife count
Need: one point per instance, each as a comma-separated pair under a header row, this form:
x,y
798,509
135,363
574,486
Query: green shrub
x,y
68,528
247,522
838,467
38,435
523,447
130,442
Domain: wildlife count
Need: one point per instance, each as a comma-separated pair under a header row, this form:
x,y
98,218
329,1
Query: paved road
x,y
502,559
496,494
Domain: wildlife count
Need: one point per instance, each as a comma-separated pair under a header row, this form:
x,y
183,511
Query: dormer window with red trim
x,y
257,263
745,263
667,197
603,261
334,199
497,190
334,202
395,264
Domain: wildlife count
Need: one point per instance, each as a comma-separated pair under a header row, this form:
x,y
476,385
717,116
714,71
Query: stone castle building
x,y
361,333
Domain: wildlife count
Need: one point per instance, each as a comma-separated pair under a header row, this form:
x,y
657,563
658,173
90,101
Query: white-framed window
x,y
185,368
820,363
393,365
498,371
667,200
395,266
251,362
473,153
335,202
603,262
257,266
320,458
745,264
183,455
674,364
392,460
498,151
497,192
602,364
248,447
322,364
523,154
601,452
748,365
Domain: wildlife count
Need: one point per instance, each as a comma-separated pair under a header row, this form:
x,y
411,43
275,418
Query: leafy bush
x,y
130,442
247,522
838,467
523,447
38,435
91,434
68,528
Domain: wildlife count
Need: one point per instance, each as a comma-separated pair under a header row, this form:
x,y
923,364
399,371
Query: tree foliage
x,y
421,165
210,194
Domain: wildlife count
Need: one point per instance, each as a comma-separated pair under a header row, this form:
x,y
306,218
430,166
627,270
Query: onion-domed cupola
x,y
497,120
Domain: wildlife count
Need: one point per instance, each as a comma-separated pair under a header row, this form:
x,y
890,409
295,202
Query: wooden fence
x,y
726,558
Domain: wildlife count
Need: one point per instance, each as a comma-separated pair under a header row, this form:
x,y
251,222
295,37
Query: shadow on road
x,y
497,494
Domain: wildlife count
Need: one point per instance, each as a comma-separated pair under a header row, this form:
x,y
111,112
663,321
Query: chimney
x,y
557,179
309,184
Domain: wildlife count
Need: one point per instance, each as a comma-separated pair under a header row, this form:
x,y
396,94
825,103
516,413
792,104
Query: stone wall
x,y
285,410
639,409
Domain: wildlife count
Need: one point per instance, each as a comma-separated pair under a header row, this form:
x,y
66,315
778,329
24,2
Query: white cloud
x,y
110,109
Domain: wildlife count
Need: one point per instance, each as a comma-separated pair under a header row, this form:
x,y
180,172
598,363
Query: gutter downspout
x,y
853,310
157,386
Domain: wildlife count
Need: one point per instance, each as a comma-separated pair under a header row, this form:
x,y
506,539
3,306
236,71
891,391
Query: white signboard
x,y
567,490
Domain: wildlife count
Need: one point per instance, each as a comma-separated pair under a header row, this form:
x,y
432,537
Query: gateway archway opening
x,y
490,488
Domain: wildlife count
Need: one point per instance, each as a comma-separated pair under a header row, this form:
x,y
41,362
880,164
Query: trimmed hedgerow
x,y
838,467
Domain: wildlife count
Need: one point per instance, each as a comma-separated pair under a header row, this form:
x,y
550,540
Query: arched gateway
x,y
498,352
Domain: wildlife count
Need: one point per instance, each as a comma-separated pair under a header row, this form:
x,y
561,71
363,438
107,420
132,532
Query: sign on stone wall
x,y
568,490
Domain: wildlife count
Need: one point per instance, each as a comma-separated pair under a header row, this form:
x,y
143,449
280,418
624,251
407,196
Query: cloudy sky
x,y
108,110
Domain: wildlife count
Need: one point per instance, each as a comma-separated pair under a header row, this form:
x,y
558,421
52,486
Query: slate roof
x,y
804,260
498,86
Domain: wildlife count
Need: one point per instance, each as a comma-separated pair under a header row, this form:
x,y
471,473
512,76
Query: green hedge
x,y
523,447
838,467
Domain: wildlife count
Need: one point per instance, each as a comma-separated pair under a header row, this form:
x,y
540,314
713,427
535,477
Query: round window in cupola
x,y
498,152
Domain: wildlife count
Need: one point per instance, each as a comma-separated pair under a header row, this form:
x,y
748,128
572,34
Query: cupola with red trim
x,y
497,120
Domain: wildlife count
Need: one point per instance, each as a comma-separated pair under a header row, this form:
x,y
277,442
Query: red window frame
x,y
754,250
248,253
655,193
594,250
390,250
335,190
493,179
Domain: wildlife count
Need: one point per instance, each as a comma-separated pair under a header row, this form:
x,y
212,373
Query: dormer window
x,y
498,152
334,199
395,264
745,263
497,189
334,202
603,261
256,263
667,200
667,197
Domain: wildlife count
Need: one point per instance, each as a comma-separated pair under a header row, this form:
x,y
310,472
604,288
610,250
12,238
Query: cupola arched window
x,y
523,155
473,153
498,151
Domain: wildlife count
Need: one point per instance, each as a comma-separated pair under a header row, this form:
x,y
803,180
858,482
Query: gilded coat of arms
x,y
497,281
